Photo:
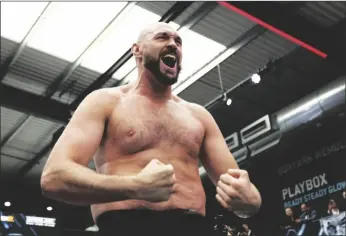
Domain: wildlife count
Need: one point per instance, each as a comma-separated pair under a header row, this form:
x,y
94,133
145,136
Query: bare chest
x,y
138,126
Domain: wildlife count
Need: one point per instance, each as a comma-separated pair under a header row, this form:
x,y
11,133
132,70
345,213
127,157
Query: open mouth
x,y
169,60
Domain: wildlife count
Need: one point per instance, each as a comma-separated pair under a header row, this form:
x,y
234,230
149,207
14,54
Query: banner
x,y
310,189
26,225
313,191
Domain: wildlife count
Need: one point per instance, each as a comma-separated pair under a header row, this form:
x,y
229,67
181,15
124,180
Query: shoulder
x,y
106,96
102,100
197,110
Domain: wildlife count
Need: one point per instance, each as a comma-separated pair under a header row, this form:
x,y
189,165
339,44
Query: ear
x,y
136,50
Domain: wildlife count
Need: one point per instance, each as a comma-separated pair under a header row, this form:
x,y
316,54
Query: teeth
x,y
171,56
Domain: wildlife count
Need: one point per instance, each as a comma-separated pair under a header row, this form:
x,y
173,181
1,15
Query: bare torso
x,y
140,130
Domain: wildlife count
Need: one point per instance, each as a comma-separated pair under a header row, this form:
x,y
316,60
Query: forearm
x,y
78,185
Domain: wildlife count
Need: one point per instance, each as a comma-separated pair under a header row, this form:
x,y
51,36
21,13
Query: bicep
x,y
215,156
82,136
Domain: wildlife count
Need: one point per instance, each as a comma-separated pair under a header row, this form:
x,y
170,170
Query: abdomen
x,y
188,194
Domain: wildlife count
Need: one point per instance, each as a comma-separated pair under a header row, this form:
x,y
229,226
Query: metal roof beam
x,y
230,51
54,87
336,49
287,20
43,152
190,22
33,104
170,15
14,57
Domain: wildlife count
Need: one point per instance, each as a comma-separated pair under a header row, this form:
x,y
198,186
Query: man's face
x,y
332,204
288,212
303,207
162,54
344,194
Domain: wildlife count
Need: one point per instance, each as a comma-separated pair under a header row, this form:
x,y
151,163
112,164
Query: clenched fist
x,y
156,181
236,193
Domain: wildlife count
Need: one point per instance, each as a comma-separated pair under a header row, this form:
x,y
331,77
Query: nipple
x,y
131,132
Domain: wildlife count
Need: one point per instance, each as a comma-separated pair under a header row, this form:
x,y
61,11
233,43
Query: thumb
x,y
169,167
165,170
154,162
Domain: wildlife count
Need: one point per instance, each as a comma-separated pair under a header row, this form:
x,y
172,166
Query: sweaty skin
x,y
125,128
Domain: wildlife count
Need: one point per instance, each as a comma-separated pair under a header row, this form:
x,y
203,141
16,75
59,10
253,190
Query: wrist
x,y
131,187
121,187
257,199
253,207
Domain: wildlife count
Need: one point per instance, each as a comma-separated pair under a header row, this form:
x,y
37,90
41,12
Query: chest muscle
x,y
140,127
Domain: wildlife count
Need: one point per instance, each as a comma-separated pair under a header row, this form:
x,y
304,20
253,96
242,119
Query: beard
x,y
154,66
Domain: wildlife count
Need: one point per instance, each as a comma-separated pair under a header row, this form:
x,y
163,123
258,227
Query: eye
x,y
161,36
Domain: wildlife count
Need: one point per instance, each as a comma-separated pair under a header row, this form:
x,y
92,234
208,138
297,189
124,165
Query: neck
x,y
147,85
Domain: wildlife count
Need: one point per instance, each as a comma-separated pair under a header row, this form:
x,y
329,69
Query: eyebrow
x,y
167,33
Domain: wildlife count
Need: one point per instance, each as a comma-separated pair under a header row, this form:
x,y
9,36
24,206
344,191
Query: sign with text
x,y
40,221
310,189
20,224
312,186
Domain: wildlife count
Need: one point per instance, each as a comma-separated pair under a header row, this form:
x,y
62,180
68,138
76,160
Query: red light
x,y
274,29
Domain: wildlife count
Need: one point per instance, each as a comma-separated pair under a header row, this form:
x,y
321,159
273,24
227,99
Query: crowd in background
x,y
307,221
303,221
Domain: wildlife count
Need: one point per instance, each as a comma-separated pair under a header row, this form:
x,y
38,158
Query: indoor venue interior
x,y
271,74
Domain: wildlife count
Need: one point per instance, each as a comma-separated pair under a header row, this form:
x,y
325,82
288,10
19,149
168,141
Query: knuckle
x,y
228,200
218,190
223,176
236,184
229,192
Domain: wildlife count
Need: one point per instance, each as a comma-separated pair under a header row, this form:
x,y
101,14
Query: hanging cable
x,y
227,100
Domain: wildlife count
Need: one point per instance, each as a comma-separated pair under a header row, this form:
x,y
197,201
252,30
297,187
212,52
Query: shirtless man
x,y
146,144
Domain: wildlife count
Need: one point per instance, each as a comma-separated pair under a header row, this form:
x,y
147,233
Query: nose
x,y
172,45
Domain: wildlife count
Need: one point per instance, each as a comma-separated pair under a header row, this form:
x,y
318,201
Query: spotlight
x,y
7,204
49,208
227,100
256,78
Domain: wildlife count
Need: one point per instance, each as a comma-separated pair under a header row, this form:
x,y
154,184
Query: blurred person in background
x,y
289,226
306,220
333,208
246,231
343,201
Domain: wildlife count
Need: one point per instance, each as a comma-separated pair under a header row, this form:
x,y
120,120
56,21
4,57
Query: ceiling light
x,y
229,102
49,208
256,78
7,204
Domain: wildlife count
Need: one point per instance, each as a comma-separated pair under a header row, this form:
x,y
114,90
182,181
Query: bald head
x,y
159,50
152,28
